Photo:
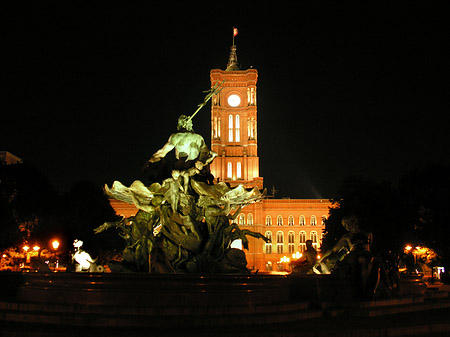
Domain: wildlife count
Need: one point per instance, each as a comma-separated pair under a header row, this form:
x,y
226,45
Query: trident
x,y
213,91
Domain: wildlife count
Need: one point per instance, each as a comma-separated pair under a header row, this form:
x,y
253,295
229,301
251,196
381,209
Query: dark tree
x,y
426,196
82,209
26,201
378,208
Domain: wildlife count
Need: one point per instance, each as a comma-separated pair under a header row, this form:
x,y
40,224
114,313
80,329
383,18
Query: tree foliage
x,y
30,209
376,207
76,214
426,198
26,201
416,211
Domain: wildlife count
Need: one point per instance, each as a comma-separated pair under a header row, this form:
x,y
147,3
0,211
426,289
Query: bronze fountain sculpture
x,y
185,224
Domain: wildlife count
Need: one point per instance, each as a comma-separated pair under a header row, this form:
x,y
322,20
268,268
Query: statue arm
x,y
235,214
337,247
162,152
105,226
211,157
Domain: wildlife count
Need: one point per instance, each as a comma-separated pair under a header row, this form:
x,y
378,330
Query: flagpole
x,y
233,36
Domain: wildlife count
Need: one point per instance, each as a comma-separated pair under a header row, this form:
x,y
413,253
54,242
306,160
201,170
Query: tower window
x,y
268,220
238,170
238,129
215,131
251,128
249,219
230,128
229,170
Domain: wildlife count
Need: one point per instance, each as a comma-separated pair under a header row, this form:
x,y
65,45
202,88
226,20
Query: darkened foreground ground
x,y
85,305
420,323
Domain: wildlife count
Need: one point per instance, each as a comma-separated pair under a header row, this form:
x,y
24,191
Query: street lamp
x,y
55,244
27,255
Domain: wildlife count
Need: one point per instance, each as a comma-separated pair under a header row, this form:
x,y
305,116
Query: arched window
x,y
249,219
242,219
291,220
313,220
313,237
268,245
291,244
302,240
230,128
302,220
268,220
279,220
251,128
280,239
238,170
291,236
238,129
229,170
215,135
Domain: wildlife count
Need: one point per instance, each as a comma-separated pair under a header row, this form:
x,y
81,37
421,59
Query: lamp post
x,y
55,246
26,248
409,250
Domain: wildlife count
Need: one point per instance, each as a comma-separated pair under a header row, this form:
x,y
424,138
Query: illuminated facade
x,y
287,222
233,126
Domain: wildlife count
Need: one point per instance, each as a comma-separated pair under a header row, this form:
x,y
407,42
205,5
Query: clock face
x,y
234,100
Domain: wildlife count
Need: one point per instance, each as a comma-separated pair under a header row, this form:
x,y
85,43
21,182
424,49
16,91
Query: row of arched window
x,y
242,220
291,220
280,243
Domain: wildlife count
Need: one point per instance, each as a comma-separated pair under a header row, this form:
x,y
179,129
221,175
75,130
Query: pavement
x,y
418,323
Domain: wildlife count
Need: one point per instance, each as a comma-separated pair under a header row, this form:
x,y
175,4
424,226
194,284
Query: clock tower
x,y
234,125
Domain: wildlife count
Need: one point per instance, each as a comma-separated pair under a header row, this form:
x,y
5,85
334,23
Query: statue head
x,y
184,123
77,243
351,223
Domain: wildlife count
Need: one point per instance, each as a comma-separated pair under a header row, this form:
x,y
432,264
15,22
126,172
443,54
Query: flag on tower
x,y
235,32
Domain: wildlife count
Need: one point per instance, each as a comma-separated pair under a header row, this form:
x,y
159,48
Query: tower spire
x,y
232,60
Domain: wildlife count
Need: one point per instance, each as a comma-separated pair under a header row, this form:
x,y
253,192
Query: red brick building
x,y
287,222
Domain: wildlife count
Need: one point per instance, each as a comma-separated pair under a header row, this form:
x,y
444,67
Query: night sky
x,y
93,91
